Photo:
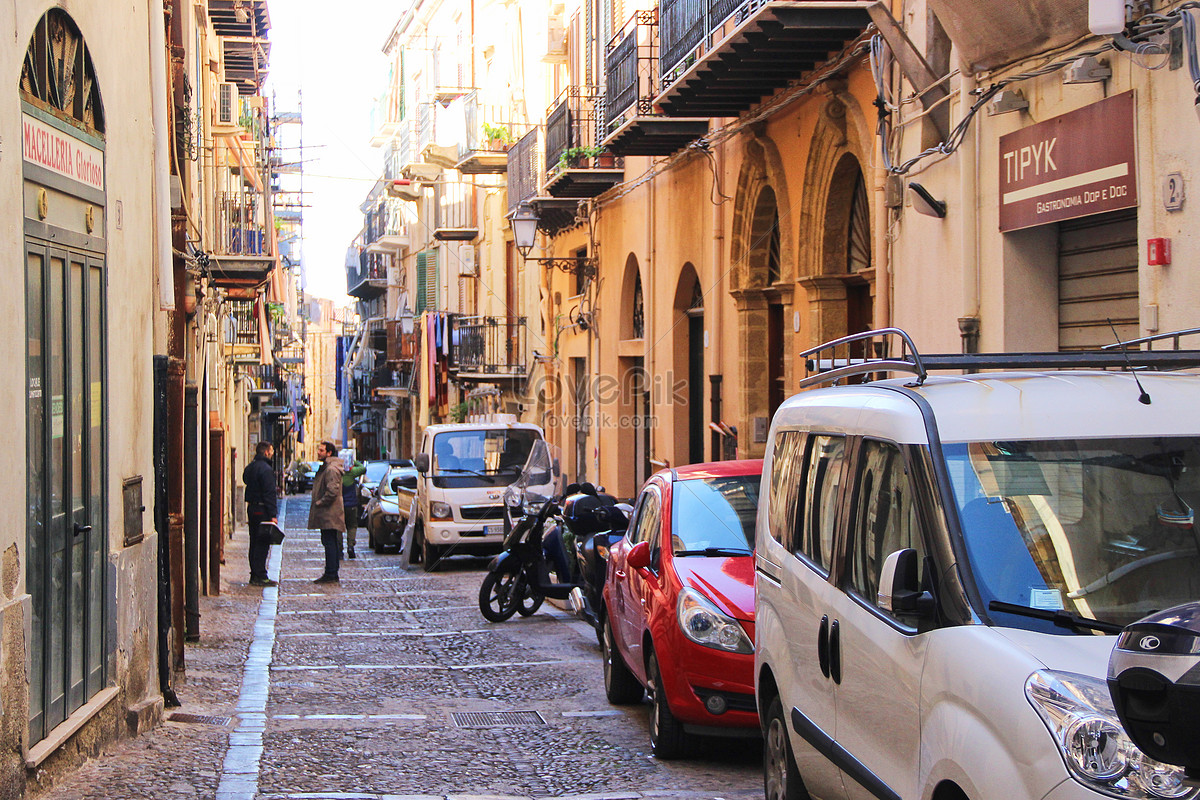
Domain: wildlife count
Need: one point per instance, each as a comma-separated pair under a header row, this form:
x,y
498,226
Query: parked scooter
x,y
593,520
519,579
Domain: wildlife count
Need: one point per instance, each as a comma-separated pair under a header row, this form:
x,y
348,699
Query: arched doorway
x,y
636,421
762,256
836,263
689,366
63,167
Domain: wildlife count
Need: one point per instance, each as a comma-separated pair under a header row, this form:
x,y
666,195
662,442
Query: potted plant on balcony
x,y
577,157
497,138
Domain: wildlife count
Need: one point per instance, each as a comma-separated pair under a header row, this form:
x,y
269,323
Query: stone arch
x,y
835,209
762,170
633,306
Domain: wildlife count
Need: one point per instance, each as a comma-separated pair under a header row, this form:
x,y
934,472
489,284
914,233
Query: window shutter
x,y
431,279
422,278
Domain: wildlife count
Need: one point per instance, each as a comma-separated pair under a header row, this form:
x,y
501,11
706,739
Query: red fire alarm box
x,y
1158,252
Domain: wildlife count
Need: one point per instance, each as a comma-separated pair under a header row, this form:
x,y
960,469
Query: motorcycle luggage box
x,y
579,511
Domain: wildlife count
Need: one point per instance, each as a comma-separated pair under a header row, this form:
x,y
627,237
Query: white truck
x,y
464,469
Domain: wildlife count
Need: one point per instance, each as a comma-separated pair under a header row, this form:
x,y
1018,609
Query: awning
x,y
987,39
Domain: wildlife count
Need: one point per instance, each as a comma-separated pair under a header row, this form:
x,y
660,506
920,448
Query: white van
x,y
942,563
464,469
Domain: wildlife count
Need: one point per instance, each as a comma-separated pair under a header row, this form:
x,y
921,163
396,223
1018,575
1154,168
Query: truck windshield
x,y
472,458
1101,528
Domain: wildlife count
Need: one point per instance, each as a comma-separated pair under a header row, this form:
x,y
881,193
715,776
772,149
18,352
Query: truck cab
x,y
464,469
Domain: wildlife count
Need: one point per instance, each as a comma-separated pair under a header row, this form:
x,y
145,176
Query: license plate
x,y
493,530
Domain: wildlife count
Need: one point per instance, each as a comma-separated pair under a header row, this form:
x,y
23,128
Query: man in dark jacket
x,y
259,478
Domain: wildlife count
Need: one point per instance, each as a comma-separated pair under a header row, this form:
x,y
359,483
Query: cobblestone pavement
x,y
391,686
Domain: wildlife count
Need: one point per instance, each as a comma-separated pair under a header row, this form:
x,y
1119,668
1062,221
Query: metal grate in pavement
x,y
496,719
201,719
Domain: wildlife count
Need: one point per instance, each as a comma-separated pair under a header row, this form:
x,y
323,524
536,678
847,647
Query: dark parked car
x,y
376,469
387,511
300,476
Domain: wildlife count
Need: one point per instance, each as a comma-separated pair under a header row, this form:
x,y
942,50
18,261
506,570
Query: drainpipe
x,y
650,323
176,366
718,294
968,323
162,155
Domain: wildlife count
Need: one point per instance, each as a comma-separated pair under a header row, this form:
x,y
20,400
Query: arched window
x,y
58,72
639,309
858,249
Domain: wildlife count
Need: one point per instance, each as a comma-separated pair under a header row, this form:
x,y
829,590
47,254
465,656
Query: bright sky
x,y
333,53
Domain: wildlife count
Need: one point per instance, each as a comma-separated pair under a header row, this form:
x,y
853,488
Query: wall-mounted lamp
x,y
524,222
1007,100
925,203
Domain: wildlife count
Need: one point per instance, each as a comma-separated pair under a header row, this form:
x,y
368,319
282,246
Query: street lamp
x,y
524,222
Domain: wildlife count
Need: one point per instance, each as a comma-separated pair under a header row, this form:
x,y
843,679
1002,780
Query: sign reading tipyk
x,y
1071,166
62,154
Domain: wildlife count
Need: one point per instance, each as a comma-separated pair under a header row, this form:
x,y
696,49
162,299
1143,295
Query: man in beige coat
x,y
327,512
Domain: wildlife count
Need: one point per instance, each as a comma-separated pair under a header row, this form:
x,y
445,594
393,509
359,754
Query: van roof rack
x,y
869,354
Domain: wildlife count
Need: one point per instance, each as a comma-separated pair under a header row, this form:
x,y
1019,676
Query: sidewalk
x,y
183,758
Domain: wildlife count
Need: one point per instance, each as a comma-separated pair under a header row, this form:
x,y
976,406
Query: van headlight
x,y
1079,713
709,626
439,510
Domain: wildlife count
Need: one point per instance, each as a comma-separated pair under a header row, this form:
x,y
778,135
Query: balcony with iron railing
x,y
242,251
631,124
489,348
367,278
576,165
524,168
489,136
719,58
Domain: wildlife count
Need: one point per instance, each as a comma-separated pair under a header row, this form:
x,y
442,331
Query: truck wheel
x,y
431,554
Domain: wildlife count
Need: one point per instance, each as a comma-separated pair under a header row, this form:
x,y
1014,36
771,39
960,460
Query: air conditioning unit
x,y
466,260
227,104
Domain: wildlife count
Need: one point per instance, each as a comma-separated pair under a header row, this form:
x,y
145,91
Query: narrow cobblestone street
x,y
391,684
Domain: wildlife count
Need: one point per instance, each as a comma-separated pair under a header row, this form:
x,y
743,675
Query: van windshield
x,y
1100,528
472,458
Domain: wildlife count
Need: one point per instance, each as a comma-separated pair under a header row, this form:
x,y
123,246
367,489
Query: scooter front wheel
x,y
500,595
529,600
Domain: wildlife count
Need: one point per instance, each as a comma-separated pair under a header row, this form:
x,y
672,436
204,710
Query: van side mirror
x,y
421,462
639,556
408,482
900,587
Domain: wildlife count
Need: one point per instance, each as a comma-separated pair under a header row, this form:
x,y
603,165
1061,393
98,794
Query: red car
x,y
679,604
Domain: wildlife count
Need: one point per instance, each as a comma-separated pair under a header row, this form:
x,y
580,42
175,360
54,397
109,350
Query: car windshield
x,y
470,458
714,516
376,470
1099,528
312,466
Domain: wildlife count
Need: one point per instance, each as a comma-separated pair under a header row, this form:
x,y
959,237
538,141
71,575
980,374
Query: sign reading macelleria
x,y
1078,164
48,147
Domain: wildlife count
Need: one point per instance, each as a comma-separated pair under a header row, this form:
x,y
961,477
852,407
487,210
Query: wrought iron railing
x,y
489,346
685,24
239,225
370,267
572,137
242,327
631,69
682,25
524,168
481,119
